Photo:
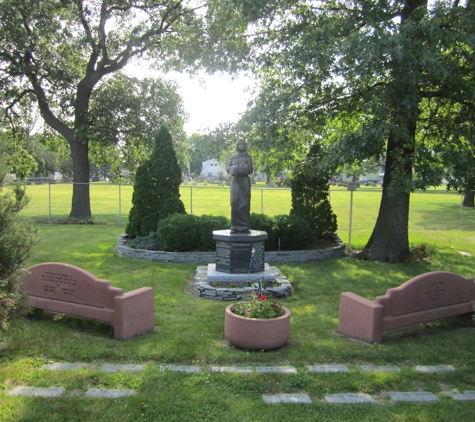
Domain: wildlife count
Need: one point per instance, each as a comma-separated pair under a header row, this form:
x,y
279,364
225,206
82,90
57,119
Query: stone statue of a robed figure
x,y
240,167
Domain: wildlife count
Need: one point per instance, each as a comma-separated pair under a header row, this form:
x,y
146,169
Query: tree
x,y
17,239
201,148
157,188
310,193
61,51
368,77
122,136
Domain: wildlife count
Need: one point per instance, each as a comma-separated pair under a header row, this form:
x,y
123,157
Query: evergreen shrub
x,y
186,232
310,190
156,190
267,224
148,243
206,225
293,231
178,233
17,239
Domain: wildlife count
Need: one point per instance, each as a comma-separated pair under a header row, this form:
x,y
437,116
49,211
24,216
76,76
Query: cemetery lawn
x,y
190,331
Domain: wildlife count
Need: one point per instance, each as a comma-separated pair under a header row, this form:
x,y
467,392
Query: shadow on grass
x,y
77,324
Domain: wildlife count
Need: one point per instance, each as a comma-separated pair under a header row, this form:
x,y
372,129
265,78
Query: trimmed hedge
x,y
186,232
267,224
294,232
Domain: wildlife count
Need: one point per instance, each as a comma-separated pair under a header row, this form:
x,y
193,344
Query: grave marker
x,y
328,368
100,393
37,392
416,396
277,369
180,368
287,398
121,368
348,398
465,396
434,369
373,368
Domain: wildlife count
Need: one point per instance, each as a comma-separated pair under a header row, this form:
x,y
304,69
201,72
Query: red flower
x,y
263,297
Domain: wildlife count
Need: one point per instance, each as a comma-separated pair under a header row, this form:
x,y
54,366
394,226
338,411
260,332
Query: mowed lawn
x,y
190,331
430,211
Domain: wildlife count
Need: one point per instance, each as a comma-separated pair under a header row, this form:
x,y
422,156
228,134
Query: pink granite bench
x,y
427,297
67,289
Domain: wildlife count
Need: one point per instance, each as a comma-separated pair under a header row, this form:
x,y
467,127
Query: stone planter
x,y
257,334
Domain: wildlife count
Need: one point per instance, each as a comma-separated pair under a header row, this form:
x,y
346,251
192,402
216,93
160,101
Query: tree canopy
x,y
62,51
370,78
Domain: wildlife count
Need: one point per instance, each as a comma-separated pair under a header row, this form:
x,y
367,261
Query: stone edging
x,y
122,250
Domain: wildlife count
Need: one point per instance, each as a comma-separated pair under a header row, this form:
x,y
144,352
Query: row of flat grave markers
x,y
357,398
349,398
261,369
345,398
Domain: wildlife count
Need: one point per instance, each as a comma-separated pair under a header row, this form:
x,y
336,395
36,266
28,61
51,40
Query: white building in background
x,y
212,169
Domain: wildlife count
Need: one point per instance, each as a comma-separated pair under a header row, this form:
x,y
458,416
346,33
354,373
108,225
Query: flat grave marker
x,y
107,367
99,393
38,392
64,366
432,369
287,398
384,368
180,368
276,369
328,368
349,398
465,396
235,369
415,396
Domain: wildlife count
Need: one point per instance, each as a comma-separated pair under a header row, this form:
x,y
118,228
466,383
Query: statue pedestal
x,y
266,277
240,253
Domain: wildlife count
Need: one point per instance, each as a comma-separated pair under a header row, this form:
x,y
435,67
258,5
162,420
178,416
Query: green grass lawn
x,y
190,331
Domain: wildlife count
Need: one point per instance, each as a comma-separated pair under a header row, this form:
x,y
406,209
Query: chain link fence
x,y
110,203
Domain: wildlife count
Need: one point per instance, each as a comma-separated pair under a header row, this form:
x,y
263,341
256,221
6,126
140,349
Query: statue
x,y
239,167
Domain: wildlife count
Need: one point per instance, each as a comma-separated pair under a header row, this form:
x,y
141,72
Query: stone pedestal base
x,y
241,280
240,253
212,284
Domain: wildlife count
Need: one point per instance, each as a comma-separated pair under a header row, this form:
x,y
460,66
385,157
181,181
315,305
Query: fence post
x,y
351,219
49,203
120,204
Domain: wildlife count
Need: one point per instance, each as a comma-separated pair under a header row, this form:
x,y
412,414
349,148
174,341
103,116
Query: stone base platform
x,y
220,278
212,284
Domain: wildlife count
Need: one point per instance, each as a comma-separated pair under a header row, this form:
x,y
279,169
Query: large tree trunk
x,y
81,203
468,196
468,199
389,241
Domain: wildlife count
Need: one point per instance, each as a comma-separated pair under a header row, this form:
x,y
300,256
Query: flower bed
x,y
336,251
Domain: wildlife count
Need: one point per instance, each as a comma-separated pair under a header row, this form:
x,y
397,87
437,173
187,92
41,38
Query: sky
x,y
209,99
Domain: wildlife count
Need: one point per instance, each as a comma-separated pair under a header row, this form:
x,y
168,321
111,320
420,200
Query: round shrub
x,y
148,243
294,232
206,225
178,233
184,232
267,224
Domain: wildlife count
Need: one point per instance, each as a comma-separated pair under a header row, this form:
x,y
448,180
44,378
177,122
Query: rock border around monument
x,y
122,250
